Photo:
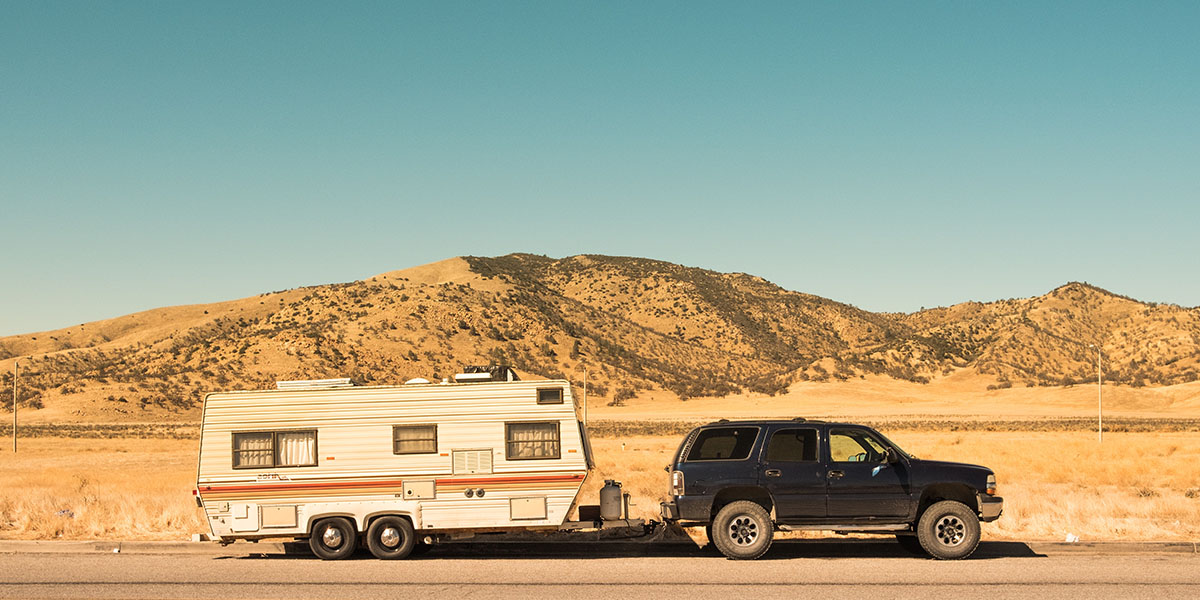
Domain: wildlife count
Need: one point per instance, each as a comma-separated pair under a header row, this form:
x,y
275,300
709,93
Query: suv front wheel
x,y
948,530
742,530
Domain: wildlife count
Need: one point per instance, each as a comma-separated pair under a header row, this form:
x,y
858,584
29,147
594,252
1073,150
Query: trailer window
x,y
550,396
252,450
414,439
530,441
296,449
269,449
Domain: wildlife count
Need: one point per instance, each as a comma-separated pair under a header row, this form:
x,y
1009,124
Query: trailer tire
x,y
391,538
333,538
743,530
948,530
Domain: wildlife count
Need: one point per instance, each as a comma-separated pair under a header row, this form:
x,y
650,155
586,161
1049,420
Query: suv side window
x,y
793,445
723,443
854,445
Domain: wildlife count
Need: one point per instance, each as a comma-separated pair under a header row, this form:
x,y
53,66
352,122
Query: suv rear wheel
x,y
948,530
742,530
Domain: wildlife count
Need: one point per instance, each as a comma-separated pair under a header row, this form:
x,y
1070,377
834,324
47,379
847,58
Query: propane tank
x,y
610,500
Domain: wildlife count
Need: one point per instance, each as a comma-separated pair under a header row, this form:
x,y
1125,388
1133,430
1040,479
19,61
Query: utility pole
x,y
1099,396
16,373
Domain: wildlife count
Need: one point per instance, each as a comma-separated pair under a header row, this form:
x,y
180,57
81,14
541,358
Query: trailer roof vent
x,y
314,384
417,381
472,377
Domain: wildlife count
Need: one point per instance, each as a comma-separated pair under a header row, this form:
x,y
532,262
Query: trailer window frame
x,y
558,390
274,449
509,442
434,439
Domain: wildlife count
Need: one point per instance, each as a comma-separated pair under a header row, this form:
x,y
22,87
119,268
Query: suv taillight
x,y
676,483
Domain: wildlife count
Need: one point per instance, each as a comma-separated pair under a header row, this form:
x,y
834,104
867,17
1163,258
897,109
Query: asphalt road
x,y
791,570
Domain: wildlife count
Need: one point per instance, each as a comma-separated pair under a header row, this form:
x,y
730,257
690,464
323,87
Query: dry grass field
x,y
1136,486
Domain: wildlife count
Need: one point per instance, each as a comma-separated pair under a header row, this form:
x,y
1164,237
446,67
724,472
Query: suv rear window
x,y
723,443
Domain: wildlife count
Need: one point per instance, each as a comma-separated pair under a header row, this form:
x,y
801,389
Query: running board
x,y
845,527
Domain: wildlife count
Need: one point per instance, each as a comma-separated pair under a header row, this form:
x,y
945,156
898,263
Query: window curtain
x,y
296,448
534,440
252,449
411,439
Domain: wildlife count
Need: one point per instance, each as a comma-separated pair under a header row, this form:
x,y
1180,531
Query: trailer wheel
x,y
743,530
333,539
948,530
391,538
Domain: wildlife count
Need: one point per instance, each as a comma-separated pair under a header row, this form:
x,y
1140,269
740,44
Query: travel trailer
x,y
397,467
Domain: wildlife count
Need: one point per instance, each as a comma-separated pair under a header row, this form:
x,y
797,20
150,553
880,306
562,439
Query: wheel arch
x,y
354,522
937,492
372,517
753,493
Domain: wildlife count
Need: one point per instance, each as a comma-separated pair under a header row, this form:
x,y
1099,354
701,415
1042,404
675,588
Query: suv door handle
x,y
835,474
774,473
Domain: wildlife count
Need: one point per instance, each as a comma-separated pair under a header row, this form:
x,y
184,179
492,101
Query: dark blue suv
x,y
744,480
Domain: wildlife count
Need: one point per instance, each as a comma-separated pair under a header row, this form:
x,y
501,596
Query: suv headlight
x,y
991,485
676,483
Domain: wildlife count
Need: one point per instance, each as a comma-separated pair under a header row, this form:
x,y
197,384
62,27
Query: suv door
x,y
861,481
794,474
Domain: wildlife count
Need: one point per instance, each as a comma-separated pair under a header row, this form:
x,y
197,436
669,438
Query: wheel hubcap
x,y
950,530
390,537
332,537
743,531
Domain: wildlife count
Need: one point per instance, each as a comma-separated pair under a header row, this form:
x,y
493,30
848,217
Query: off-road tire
x,y
742,530
948,530
322,543
911,544
391,538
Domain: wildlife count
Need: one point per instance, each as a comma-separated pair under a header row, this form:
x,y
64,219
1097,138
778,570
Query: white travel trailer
x,y
397,466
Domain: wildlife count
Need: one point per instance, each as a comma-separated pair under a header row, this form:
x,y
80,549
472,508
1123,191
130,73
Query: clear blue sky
x,y
890,155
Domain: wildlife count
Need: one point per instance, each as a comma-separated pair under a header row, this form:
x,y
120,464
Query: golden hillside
x,y
636,324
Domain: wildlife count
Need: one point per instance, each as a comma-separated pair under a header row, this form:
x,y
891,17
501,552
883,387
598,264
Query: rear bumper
x,y
990,507
692,508
669,511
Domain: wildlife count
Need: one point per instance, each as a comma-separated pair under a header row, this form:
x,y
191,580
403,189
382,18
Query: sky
x,y
889,155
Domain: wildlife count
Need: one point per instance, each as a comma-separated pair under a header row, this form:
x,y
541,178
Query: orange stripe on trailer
x,y
333,485
535,479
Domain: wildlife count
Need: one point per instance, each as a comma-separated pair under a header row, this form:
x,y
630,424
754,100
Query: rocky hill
x,y
635,324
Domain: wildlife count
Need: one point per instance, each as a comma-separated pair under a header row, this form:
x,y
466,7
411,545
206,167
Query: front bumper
x,y
990,507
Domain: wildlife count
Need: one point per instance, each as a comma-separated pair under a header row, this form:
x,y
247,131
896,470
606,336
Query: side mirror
x,y
891,457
